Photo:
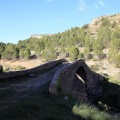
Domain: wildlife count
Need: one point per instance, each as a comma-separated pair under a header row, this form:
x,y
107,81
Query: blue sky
x,y
19,19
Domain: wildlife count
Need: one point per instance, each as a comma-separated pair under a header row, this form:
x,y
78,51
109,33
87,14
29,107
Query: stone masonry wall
x,y
67,77
45,66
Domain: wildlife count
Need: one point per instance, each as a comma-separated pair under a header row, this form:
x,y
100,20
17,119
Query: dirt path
x,y
12,91
31,81
34,81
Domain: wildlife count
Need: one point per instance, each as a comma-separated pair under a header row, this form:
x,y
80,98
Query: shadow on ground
x,y
35,103
110,100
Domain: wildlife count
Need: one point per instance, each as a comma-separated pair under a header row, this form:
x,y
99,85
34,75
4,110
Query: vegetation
x,y
27,53
94,67
74,52
70,42
89,112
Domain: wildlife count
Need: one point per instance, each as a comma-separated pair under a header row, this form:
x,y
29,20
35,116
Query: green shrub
x,y
94,67
20,68
6,69
58,85
89,112
74,52
81,56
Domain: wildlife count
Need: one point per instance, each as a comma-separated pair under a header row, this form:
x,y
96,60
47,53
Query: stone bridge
x,y
76,79
16,74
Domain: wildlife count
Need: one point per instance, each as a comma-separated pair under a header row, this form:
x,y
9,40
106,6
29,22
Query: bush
x,y
94,67
113,24
20,68
86,26
89,112
6,69
27,54
81,56
49,54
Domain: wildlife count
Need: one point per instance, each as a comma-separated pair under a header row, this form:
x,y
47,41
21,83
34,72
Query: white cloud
x,y
81,5
102,3
96,6
99,4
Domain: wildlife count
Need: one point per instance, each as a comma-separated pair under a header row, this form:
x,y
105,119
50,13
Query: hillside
x,y
97,41
96,23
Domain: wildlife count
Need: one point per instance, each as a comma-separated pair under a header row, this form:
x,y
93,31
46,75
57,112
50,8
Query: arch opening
x,y
80,81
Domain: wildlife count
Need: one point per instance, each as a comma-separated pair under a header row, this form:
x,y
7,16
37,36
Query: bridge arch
x,y
80,80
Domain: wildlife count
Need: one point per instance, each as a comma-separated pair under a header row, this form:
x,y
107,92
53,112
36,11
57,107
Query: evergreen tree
x,y
112,55
2,49
11,52
105,22
97,48
87,46
27,54
115,44
81,56
74,52
49,54
113,24
21,54
16,53
106,37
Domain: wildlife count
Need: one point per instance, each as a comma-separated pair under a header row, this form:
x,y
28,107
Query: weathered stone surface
x,y
76,79
53,85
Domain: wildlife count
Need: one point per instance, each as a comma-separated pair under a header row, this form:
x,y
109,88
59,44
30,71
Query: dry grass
x,y
26,64
104,67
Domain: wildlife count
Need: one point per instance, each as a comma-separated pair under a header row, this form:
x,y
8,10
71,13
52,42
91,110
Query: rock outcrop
x,y
40,35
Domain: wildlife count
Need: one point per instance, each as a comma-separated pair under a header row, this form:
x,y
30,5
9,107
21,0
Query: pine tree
x,y
74,52
2,49
27,54
11,52
97,48
21,54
